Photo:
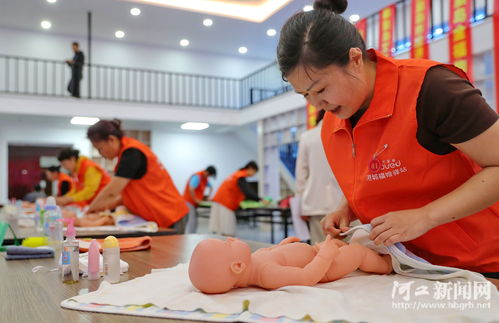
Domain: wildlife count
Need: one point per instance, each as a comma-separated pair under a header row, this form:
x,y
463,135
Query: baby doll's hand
x,y
328,247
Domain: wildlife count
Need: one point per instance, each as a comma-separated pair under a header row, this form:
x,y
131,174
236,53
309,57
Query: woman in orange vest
x,y
64,182
194,195
140,181
88,178
229,195
411,142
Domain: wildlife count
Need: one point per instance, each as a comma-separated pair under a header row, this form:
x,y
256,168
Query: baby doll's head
x,y
216,265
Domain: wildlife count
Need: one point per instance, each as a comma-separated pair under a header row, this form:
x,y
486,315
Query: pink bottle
x,y
93,260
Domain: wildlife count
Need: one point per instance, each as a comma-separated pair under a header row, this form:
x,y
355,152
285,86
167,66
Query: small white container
x,y
111,254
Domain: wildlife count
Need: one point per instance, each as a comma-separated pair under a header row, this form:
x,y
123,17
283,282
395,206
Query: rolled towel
x,y
18,252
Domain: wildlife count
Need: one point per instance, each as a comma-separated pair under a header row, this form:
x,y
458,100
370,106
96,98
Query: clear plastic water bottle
x,y
50,216
39,211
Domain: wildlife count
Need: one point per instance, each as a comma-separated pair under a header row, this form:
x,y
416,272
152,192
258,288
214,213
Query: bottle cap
x,y
111,242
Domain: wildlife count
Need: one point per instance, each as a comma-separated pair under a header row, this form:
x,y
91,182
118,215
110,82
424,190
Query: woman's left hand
x,y
400,226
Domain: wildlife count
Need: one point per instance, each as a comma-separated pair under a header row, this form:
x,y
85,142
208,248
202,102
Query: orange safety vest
x,y
79,178
198,191
229,194
63,177
153,197
381,167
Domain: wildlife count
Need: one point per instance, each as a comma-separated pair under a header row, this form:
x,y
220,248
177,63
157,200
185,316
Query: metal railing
x,y
32,76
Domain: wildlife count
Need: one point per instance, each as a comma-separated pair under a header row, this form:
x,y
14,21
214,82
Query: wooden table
x,y
35,297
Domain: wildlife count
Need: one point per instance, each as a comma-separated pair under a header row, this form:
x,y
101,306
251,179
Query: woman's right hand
x,y
338,221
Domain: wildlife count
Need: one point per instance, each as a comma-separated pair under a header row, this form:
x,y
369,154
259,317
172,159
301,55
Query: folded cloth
x,y
357,297
126,244
18,253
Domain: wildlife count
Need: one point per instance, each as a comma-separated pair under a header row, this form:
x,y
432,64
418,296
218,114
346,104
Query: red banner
x,y
460,52
311,116
496,50
362,28
419,29
386,25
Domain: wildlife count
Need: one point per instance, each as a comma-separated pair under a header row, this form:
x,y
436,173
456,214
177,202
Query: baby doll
x,y
217,266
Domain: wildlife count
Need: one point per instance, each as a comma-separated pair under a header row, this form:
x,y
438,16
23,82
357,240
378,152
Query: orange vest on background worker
x,y
153,197
229,194
79,179
198,191
63,177
381,167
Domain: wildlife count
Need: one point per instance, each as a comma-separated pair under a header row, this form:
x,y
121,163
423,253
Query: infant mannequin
x,y
217,266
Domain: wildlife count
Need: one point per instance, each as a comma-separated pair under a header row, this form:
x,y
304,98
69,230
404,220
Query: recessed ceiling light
x,y
308,8
243,50
84,121
135,11
195,126
51,1
354,18
119,34
271,32
207,22
46,24
184,43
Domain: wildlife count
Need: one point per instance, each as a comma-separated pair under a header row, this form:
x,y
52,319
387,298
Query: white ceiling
x,y
64,123
160,26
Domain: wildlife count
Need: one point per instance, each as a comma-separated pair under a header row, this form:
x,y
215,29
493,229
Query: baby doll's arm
x,y
289,240
275,276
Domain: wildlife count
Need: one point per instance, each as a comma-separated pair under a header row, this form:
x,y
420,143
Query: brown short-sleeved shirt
x,y
449,111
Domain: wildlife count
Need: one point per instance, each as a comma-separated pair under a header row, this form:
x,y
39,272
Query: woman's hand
x,y
338,221
400,226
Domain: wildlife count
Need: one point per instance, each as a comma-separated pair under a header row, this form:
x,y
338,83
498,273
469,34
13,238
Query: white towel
x,y
357,297
406,263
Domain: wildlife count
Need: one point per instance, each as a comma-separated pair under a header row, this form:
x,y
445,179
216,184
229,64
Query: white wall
x,y
184,154
117,53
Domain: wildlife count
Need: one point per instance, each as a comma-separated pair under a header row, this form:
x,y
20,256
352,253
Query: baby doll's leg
x,y
356,256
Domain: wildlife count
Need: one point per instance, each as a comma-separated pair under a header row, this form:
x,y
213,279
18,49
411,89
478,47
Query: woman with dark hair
x,y
64,182
411,142
140,181
229,195
88,178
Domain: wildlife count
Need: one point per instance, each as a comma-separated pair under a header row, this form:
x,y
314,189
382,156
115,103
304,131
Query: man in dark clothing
x,y
76,65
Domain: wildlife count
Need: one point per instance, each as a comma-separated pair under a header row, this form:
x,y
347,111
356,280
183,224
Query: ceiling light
x,y
207,22
119,34
271,32
86,121
354,18
51,1
250,10
243,50
195,126
184,43
46,24
135,11
308,8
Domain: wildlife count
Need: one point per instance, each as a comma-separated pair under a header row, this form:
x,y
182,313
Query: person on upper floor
x,y
88,178
64,181
229,195
413,145
140,182
194,194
